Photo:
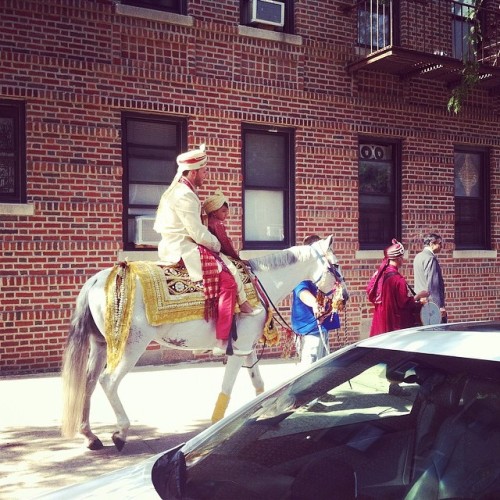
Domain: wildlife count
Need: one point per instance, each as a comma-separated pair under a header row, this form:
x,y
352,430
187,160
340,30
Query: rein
x,y
262,291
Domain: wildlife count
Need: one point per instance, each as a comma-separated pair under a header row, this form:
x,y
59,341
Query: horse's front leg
x,y
233,366
96,362
254,372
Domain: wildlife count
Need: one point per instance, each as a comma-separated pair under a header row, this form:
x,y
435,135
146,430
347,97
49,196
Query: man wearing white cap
x,y
183,236
178,218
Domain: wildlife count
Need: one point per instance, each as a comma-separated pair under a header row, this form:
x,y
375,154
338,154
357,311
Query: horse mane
x,y
275,260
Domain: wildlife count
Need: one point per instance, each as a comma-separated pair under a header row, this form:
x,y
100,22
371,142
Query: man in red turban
x,y
395,305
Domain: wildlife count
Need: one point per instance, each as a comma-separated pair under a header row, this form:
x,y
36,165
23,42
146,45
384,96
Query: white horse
x,y
86,350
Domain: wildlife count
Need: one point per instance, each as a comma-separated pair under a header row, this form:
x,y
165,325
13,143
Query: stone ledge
x,y
134,255
153,15
475,254
276,36
373,254
25,209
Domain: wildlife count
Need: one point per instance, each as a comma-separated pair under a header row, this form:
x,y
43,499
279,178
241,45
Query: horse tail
x,y
75,359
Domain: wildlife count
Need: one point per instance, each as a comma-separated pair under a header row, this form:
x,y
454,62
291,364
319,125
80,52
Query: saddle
x,y
169,294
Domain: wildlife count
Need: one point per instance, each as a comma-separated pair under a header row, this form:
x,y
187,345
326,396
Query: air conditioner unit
x,y
144,232
375,152
267,12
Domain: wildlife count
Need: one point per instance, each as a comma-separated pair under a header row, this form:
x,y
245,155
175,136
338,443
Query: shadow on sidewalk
x,y
36,460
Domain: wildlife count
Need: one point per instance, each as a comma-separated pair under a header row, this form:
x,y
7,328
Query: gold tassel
x,y
270,335
120,296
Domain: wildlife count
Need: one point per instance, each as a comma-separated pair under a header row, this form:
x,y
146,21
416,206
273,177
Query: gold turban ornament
x,y
214,202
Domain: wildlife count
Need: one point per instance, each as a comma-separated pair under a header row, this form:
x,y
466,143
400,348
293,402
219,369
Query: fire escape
x,y
428,39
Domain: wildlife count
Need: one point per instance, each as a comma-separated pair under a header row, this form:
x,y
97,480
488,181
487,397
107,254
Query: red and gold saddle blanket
x,y
169,294
169,297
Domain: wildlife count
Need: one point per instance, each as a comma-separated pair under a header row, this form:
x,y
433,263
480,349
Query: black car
x,y
413,414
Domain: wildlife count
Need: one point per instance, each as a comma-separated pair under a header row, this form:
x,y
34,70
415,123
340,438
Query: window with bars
x,y
376,24
379,193
462,26
150,147
268,190
12,152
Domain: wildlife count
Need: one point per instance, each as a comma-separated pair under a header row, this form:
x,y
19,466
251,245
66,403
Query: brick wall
x,y
79,64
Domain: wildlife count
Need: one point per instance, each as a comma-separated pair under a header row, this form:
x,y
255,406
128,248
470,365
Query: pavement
x,y
166,406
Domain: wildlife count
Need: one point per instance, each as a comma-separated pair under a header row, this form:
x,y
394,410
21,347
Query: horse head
x,y
330,270
326,259
282,271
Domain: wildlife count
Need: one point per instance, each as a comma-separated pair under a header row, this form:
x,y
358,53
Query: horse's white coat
x,y
85,354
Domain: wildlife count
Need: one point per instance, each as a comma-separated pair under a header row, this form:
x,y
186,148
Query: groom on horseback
x,y
184,237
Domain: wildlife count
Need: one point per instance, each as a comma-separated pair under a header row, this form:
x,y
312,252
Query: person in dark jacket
x,y
427,272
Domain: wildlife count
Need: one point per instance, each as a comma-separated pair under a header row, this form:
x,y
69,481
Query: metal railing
x,y
458,29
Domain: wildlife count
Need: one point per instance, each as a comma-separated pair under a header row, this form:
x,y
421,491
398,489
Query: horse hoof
x,y
95,445
119,442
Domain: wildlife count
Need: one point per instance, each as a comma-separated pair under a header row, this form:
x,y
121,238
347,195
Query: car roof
x,y
474,340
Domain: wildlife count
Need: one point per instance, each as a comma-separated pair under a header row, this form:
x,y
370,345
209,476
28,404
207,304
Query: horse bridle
x,y
329,266
324,260
282,321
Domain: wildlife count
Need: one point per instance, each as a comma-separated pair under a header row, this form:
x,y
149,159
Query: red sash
x,y
210,272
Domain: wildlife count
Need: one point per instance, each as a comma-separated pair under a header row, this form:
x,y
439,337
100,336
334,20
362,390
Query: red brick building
x,y
319,117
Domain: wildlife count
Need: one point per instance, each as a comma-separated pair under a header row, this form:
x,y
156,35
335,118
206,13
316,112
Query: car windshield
x,y
361,408
351,389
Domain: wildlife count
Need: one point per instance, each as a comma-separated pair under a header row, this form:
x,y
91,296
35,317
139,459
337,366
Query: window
x,y
268,173
471,199
268,13
12,152
379,193
176,6
150,148
375,26
462,28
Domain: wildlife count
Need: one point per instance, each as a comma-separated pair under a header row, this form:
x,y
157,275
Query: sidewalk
x,y
166,406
